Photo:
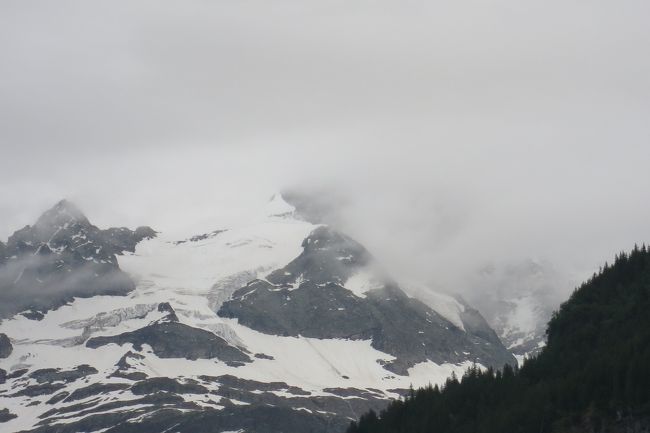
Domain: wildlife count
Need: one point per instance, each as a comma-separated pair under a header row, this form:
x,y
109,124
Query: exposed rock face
x,y
96,389
190,406
5,415
327,257
156,384
5,346
192,418
165,307
200,237
122,239
175,340
476,325
48,375
309,298
62,256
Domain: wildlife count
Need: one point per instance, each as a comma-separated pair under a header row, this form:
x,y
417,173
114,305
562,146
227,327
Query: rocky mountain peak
x,y
62,256
62,213
328,256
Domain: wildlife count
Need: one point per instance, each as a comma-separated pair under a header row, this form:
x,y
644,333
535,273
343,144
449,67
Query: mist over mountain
x,y
592,376
262,327
260,216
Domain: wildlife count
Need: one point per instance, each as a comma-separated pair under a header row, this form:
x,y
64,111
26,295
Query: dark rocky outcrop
x,y
157,384
33,315
60,257
327,257
58,397
121,239
200,237
165,307
248,386
176,340
50,375
41,389
91,412
5,346
17,373
266,412
5,415
123,367
94,390
252,419
476,325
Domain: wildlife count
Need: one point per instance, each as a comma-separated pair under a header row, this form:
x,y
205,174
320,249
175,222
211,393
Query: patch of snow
x,y
362,282
447,306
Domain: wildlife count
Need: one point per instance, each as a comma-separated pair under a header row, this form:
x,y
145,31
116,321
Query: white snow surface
x,y
187,275
445,305
362,282
278,207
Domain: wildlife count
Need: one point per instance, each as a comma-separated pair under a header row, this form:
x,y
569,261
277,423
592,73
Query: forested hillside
x,y
593,376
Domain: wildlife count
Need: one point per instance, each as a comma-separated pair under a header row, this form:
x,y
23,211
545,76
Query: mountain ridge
x,y
60,257
159,355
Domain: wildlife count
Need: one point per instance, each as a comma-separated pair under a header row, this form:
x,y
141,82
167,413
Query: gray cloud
x,y
455,134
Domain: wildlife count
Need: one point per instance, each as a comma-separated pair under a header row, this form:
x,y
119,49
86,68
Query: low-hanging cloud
x,y
22,289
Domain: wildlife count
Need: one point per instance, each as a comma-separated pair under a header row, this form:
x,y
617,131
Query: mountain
x,y
591,377
517,298
333,290
273,325
60,257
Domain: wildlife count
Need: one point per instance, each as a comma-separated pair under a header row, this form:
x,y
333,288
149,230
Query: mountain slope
x,y
333,290
159,356
592,376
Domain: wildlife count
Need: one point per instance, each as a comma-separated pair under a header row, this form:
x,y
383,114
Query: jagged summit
x,y
62,256
63,212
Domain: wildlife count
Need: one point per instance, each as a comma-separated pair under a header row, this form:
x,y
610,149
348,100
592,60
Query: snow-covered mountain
x,y
272,326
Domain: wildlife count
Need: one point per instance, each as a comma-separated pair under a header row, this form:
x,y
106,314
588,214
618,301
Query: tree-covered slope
x,y
594,375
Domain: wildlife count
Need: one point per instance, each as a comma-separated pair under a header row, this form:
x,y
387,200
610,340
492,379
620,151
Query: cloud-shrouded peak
x,y
62,213
278,207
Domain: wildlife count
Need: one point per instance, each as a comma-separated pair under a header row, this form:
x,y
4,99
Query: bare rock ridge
x,y
5,346
176,340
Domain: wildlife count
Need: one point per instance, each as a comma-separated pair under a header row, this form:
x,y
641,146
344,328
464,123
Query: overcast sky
x,y
457,133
